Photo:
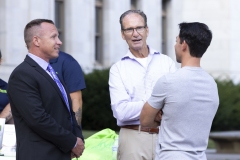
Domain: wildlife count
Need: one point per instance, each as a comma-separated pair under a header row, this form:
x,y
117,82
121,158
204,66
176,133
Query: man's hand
x,y
7,113
158,117
78,149
72,155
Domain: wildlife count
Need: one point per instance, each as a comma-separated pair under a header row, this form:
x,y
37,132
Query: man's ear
x,y
184,46
36,40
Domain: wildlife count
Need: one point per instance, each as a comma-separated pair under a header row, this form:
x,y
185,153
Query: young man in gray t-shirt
x,y
188,98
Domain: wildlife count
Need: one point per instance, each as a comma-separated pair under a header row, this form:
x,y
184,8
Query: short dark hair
x,y
141,13
30,29
0,55
197,36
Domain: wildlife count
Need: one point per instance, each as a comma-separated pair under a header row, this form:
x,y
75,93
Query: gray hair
x,y
141,13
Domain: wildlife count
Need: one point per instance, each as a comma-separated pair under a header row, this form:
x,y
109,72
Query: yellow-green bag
x,y
99,146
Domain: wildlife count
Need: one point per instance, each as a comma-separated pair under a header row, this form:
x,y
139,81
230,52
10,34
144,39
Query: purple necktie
x,y
60,86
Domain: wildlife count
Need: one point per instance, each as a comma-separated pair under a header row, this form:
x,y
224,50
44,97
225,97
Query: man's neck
x,y
37,53
191,62
140,53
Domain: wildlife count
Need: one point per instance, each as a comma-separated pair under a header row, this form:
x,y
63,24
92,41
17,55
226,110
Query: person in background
x,y
69,70
41,106
188,98
5,109
131,81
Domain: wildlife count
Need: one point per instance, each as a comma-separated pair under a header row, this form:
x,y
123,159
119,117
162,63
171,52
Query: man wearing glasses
x,y
131,82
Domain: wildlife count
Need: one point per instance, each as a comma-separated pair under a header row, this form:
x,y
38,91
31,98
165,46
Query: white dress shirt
x,y
42,63
131,83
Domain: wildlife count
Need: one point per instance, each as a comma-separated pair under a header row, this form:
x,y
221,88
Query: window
x,y
98,31
59,20
134,4
164,26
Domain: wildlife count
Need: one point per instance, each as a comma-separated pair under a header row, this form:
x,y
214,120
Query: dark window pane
x,y
59,20
57,14
98,32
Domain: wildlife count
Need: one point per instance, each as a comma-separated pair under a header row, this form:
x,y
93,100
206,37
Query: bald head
x,y
32,29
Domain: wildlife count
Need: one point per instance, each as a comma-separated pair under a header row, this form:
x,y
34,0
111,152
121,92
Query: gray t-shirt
x,y
189,100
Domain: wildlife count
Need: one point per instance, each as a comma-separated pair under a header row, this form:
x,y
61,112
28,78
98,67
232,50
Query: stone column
x,y
234,40
174,13
114,47
14,17
80,31
153,11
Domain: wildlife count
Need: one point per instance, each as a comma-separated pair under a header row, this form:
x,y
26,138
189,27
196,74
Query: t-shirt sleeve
x,y
3,95
73,75
158,96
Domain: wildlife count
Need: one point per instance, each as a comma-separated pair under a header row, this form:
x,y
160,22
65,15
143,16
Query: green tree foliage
x,y
228,115
97,113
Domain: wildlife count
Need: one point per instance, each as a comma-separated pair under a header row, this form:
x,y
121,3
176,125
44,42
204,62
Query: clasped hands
x,y
78,149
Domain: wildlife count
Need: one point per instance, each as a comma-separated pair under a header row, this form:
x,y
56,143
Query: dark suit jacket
x,y
42,121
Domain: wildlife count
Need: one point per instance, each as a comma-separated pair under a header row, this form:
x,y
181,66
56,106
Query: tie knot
x,y
52,72
49,67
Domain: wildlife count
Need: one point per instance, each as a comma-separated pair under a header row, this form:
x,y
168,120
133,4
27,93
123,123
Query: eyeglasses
x,y
139,29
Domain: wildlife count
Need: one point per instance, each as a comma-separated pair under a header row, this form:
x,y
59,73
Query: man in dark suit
x,y
45,124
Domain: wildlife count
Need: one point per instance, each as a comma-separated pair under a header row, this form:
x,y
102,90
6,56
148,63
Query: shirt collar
x,y
129,54
42,63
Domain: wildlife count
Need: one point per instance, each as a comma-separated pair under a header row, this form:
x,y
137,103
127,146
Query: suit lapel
x,y
39,69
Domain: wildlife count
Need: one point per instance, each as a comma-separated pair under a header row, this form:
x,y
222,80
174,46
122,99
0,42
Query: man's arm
x,y
152,110
73,77
6,113
124,109
148,116
76,98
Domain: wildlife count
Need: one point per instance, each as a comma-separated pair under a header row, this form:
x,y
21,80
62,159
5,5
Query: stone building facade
x,y
90,30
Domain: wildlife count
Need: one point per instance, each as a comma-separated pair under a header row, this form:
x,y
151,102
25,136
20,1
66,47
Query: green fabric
x,y
3,91
99,146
